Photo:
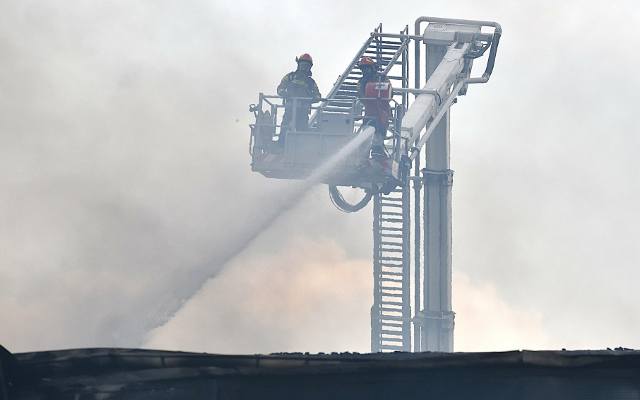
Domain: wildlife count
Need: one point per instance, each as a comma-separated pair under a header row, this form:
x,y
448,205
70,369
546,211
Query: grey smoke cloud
x,y
133,167
124,166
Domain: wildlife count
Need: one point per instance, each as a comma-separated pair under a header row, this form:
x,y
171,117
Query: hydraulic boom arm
x,y
451,76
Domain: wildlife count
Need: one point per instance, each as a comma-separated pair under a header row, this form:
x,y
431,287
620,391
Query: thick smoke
x,y
124,168
127,176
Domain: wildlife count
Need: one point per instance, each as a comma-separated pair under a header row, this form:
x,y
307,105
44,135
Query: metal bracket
x,y
421,317
443,177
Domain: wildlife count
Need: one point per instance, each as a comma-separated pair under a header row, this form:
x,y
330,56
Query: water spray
x,y
189,285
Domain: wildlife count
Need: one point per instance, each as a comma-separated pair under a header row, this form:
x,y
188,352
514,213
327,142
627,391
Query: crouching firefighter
x,y
376,91
295,85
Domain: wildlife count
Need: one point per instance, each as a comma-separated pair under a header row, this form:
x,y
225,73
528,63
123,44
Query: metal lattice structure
x,y
430,257
418,168
391,310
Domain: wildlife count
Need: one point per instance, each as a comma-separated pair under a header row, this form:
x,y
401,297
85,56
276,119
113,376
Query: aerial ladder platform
x,y
410,187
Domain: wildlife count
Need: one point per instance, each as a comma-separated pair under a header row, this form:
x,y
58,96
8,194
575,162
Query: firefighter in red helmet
x,y
298,84
376,91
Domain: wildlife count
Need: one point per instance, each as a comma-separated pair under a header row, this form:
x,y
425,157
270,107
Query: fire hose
x,y
343,205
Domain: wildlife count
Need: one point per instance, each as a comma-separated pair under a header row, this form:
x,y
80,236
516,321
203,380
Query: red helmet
x,y
305,57
367,61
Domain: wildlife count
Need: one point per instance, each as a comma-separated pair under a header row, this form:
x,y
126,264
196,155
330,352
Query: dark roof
x,y
129,373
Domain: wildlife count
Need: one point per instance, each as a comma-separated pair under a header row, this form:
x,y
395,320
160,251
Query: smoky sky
x,y
125,167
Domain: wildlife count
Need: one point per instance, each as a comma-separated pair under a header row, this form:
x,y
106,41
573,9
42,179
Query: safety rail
x,y
411,231
494,39
345,73
266,112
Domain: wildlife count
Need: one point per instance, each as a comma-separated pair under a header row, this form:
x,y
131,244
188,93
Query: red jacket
x,y
377,92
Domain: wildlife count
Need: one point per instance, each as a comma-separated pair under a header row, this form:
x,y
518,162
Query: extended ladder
x,y
420,136
388,53
391,310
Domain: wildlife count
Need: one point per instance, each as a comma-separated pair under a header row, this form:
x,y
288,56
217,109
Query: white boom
x,y
426,105
418,159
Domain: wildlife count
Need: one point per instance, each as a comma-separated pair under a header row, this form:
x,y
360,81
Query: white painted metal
x,y
451,46
443,34
426,106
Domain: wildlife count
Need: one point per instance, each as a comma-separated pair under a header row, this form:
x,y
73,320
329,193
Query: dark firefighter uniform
x,y
298,84
376,91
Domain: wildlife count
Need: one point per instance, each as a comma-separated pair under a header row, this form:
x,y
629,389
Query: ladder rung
x,y
385,273
383,303
392,213
382,53
387,295
387,264
393,310
374,50
392,323
391,303
390,259
391,246
391,337
387,309
388,50
391,219
392,235
389,40
390,341
397,266
385,204
390,347
385,317
391,318
381,285
385,45
391,229
388,332
383,279
386,285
